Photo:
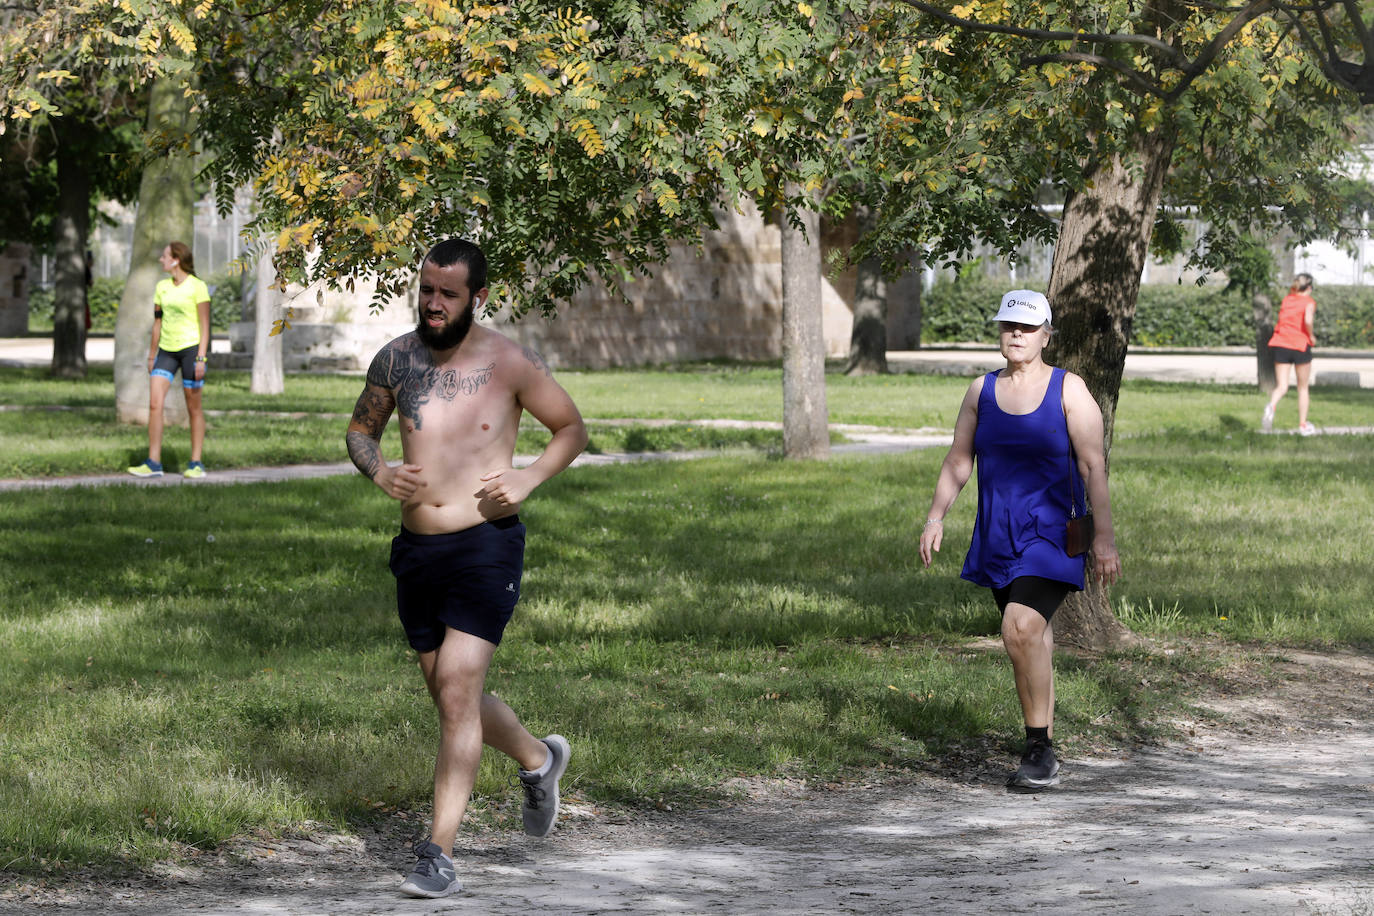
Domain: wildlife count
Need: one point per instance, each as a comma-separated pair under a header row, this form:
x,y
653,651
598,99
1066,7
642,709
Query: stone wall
x,y
723,301
14,289
330,329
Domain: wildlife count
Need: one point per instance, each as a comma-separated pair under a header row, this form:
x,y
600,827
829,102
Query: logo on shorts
x,y
510,586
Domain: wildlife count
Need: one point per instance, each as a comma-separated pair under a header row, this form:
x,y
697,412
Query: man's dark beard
x,y
448,337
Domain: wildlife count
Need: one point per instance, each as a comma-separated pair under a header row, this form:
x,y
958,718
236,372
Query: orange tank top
x,y
1291,330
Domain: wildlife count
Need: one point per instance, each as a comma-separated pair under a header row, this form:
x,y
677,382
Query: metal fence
x,y
216,244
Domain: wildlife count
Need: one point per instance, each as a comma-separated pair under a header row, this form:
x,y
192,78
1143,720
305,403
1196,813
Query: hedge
x,y
105,293
1166,315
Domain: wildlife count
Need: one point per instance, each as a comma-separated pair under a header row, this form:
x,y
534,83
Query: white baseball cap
x,y
1024,306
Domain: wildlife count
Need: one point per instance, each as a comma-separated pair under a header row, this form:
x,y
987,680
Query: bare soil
x,y
1266,807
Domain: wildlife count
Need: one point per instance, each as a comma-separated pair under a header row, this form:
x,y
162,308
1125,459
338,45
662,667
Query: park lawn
x,y
48,443
303,425
187,664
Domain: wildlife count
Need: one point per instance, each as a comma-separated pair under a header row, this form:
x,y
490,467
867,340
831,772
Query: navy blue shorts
x,y
167,363
468,580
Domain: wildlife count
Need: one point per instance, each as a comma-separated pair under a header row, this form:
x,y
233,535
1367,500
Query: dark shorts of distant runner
x,y
1287,355
468,580
166,365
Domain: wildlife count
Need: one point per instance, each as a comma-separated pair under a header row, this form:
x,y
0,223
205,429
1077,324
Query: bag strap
x,y
1073,457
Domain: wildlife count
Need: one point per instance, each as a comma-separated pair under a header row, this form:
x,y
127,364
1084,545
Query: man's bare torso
x,y
458,421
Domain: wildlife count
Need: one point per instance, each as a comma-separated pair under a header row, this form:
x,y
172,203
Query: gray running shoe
x,y
433,875
540,807
1038,770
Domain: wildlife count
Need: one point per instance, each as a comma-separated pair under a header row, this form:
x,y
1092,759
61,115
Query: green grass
x,y
682,623
302,426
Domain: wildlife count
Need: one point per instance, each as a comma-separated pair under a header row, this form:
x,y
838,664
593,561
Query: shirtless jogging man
x,y
460,389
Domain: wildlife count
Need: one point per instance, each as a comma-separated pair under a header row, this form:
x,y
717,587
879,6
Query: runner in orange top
x,y
1291,346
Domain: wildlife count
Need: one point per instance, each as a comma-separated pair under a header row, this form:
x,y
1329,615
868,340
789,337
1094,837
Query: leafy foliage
x,y
566,140
981,124
1167,315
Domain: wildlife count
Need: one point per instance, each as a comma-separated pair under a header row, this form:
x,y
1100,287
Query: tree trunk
x,y
267,367
1094,284
69,252
904,307
1264,329
805,420
868,340
166,212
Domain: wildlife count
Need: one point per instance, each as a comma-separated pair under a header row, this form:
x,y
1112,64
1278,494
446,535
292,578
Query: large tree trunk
x,y
1264,329
267,366
1094,284
904,307
868,340
805,420
166,212
69,252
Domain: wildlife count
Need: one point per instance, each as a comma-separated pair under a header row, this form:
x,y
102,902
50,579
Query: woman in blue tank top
x,y
1035,434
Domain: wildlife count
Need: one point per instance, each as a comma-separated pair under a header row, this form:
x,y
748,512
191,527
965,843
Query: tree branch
x,y
1139,81
1219,42
1362,32
1333,67
1046,34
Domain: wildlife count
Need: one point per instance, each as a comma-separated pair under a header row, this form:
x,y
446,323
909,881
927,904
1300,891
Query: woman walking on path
x,y
1025,425
1291,346
181,342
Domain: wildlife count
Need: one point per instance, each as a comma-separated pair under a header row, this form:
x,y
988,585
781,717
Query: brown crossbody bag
x,y
1078,533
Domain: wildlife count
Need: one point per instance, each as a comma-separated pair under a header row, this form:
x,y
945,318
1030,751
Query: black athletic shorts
x,y
468,580
1296,357
167,363
1043,595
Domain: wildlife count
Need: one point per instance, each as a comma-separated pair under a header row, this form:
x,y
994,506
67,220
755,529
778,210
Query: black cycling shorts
x,y
1041,594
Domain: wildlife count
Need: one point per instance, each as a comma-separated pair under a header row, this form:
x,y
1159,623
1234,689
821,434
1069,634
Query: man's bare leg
x,y
454,674
502,730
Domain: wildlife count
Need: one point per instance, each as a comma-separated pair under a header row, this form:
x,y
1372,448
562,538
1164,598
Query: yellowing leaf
x,y
536,84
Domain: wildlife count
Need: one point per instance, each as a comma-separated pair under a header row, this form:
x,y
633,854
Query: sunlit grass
x,y
185,664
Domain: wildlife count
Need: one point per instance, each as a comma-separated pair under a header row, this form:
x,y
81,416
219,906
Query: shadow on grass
x,y
684,624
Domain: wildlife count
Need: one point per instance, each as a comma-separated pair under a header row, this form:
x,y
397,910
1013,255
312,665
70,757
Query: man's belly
x,y
450,501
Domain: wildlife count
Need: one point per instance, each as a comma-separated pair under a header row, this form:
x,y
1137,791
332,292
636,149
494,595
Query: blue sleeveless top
x,y
1023,491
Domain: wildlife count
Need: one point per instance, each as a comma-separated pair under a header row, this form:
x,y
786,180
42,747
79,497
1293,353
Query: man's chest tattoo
x,y
454,384
415,384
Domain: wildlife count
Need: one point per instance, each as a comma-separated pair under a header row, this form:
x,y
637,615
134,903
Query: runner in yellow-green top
x,y
181,341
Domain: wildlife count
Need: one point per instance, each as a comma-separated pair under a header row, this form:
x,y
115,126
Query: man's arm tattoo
x,y
405,368
537,360
365,452
364,438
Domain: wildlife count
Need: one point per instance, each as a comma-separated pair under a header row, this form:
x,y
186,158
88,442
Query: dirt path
x,y
1271,812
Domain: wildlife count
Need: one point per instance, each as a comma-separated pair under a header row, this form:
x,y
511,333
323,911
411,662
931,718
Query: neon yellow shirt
x,y
180,323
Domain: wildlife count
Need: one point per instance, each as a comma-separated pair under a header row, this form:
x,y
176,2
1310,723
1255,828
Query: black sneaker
x,y
1039,769
433,875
